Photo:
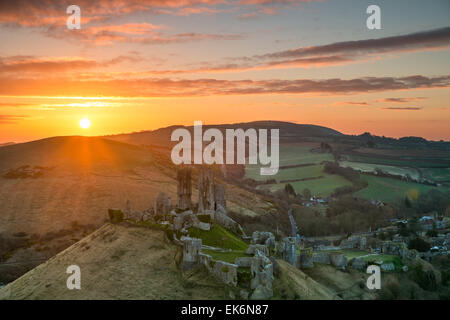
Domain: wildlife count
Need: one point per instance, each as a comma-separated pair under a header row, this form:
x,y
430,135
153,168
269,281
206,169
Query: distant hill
x,y
72,151
288,132
6,144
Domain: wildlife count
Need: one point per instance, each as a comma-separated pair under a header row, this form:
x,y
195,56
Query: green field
x,y
388,189
291,155
312,177
437,174
410,162
370,167
319,187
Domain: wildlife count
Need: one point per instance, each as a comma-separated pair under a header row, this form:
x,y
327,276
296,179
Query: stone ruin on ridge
x,y
184,188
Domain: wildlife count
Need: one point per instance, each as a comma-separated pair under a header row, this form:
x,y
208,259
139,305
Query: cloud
x,y
353,103
38,13
269,11
401,100
338,53
45,66
153,87
9,118
404,108
143,33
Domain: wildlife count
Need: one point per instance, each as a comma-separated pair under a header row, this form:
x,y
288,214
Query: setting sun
x,y
85,123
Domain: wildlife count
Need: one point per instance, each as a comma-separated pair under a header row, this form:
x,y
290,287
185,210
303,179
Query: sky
x,y
142,65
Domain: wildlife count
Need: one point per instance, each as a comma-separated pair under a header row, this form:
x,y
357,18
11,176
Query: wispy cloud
x,y
9,118
338,53
352,103
401,100
46,66
204,87
404,108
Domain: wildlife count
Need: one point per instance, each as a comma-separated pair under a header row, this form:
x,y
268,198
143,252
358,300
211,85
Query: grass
x,y
370,167
226,256
417,162
319,187
437,174
219,237
388,189
291,155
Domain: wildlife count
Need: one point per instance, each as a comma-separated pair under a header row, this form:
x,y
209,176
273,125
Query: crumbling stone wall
x,y
221,217
162,204
305,260
206,188
321,257
264,237
191,250
184,188
254,248
339,260
262,277
290,250
219,196
221,270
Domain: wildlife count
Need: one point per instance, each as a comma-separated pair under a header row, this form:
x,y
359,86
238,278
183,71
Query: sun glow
x,y
85,123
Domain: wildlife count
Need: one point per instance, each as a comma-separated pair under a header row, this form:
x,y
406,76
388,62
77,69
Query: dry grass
x,y
117,262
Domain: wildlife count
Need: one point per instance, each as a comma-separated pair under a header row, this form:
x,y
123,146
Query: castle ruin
x,y
184,188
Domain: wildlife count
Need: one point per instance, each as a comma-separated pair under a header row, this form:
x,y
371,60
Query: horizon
x,y
210,125
143,66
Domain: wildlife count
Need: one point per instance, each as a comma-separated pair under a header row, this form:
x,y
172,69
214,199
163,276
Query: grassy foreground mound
x,y
117,262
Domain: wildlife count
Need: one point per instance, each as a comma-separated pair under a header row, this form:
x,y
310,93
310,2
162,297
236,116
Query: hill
x,y
117,262
288,132
54,190
79,179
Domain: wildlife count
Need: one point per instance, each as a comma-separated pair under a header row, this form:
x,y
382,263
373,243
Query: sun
x,y
85,123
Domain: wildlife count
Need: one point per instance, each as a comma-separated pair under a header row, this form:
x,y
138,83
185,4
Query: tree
x,y
419,244
289,189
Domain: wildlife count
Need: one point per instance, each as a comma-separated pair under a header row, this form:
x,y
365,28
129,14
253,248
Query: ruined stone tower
x,y
184,188
219,196
206,189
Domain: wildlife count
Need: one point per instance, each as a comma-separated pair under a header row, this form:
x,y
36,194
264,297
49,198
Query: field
x,y
388,189
302,166
305,170
394,170
323,187
434,166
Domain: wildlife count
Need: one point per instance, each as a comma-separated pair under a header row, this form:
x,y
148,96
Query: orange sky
x,y
151,64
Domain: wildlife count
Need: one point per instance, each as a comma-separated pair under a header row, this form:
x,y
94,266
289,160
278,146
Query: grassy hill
x,y
117,262
288,132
